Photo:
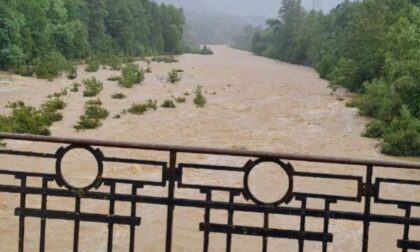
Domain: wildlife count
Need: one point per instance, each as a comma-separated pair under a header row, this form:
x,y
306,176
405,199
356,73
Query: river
x,y
254,103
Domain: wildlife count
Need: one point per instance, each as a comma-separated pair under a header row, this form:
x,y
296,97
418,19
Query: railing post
x,y
171,192
368,189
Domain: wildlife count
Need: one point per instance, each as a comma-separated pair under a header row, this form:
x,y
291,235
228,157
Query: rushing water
x,y
253,103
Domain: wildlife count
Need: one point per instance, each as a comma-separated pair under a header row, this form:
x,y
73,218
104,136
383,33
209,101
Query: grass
x,y
118,96
173,76
168,104
141,108
92,87
199,100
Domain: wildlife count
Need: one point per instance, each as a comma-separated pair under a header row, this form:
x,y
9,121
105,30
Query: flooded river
x,y
254,103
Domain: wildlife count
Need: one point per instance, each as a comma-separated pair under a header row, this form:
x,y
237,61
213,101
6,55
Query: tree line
x,y
35,33
370,47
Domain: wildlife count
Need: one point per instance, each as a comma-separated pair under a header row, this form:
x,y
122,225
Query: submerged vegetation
x,y
131,74
141,108
94,113
42,37
168,104
28,119
92,87
199,100
173,76
368,47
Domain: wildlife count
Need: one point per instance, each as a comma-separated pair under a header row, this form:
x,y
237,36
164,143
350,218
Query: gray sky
x,y
265,8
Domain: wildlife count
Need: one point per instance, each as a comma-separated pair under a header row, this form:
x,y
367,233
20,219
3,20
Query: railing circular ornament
x,y
61,181
286,168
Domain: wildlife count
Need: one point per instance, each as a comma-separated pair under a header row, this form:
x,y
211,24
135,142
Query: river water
x,y
254,103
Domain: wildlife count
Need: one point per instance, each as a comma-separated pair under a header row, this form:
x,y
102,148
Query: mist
x,y
247,8
265,8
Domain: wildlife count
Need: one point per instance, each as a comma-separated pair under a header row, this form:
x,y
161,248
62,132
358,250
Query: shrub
x,y
115,62
138,109
141,108
165,59
118,96
375,129
346,74
63,92
92,87
92,66
114,78
168,104
87,123
97,102
50,65
151,104
92,116
173,76
72,72
25,119
25,70
54,104
149,68
186,93
206,51
378,101
402,136
180,99
199,99
75,87
96,111
131,75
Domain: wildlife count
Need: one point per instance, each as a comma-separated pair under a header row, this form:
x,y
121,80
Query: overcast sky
x,y
265,8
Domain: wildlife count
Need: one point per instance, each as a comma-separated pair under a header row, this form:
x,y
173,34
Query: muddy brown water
x,y
254,103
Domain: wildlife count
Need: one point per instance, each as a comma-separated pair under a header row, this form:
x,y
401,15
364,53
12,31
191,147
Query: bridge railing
x,y
334,183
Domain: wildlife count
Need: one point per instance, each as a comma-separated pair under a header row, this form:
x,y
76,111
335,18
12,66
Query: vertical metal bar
x,y
76,226
171,193
265,240
22,218
326,223
230,223
368,194
406,226
111,212
133,214
43,219
302,225
207,221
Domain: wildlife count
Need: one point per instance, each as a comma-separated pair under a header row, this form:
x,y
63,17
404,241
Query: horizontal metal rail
x,y
210,151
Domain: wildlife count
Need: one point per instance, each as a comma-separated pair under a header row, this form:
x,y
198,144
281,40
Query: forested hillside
x,y
370,47
39,34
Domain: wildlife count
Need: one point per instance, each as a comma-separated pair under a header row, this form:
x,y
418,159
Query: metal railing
x,y
367,192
